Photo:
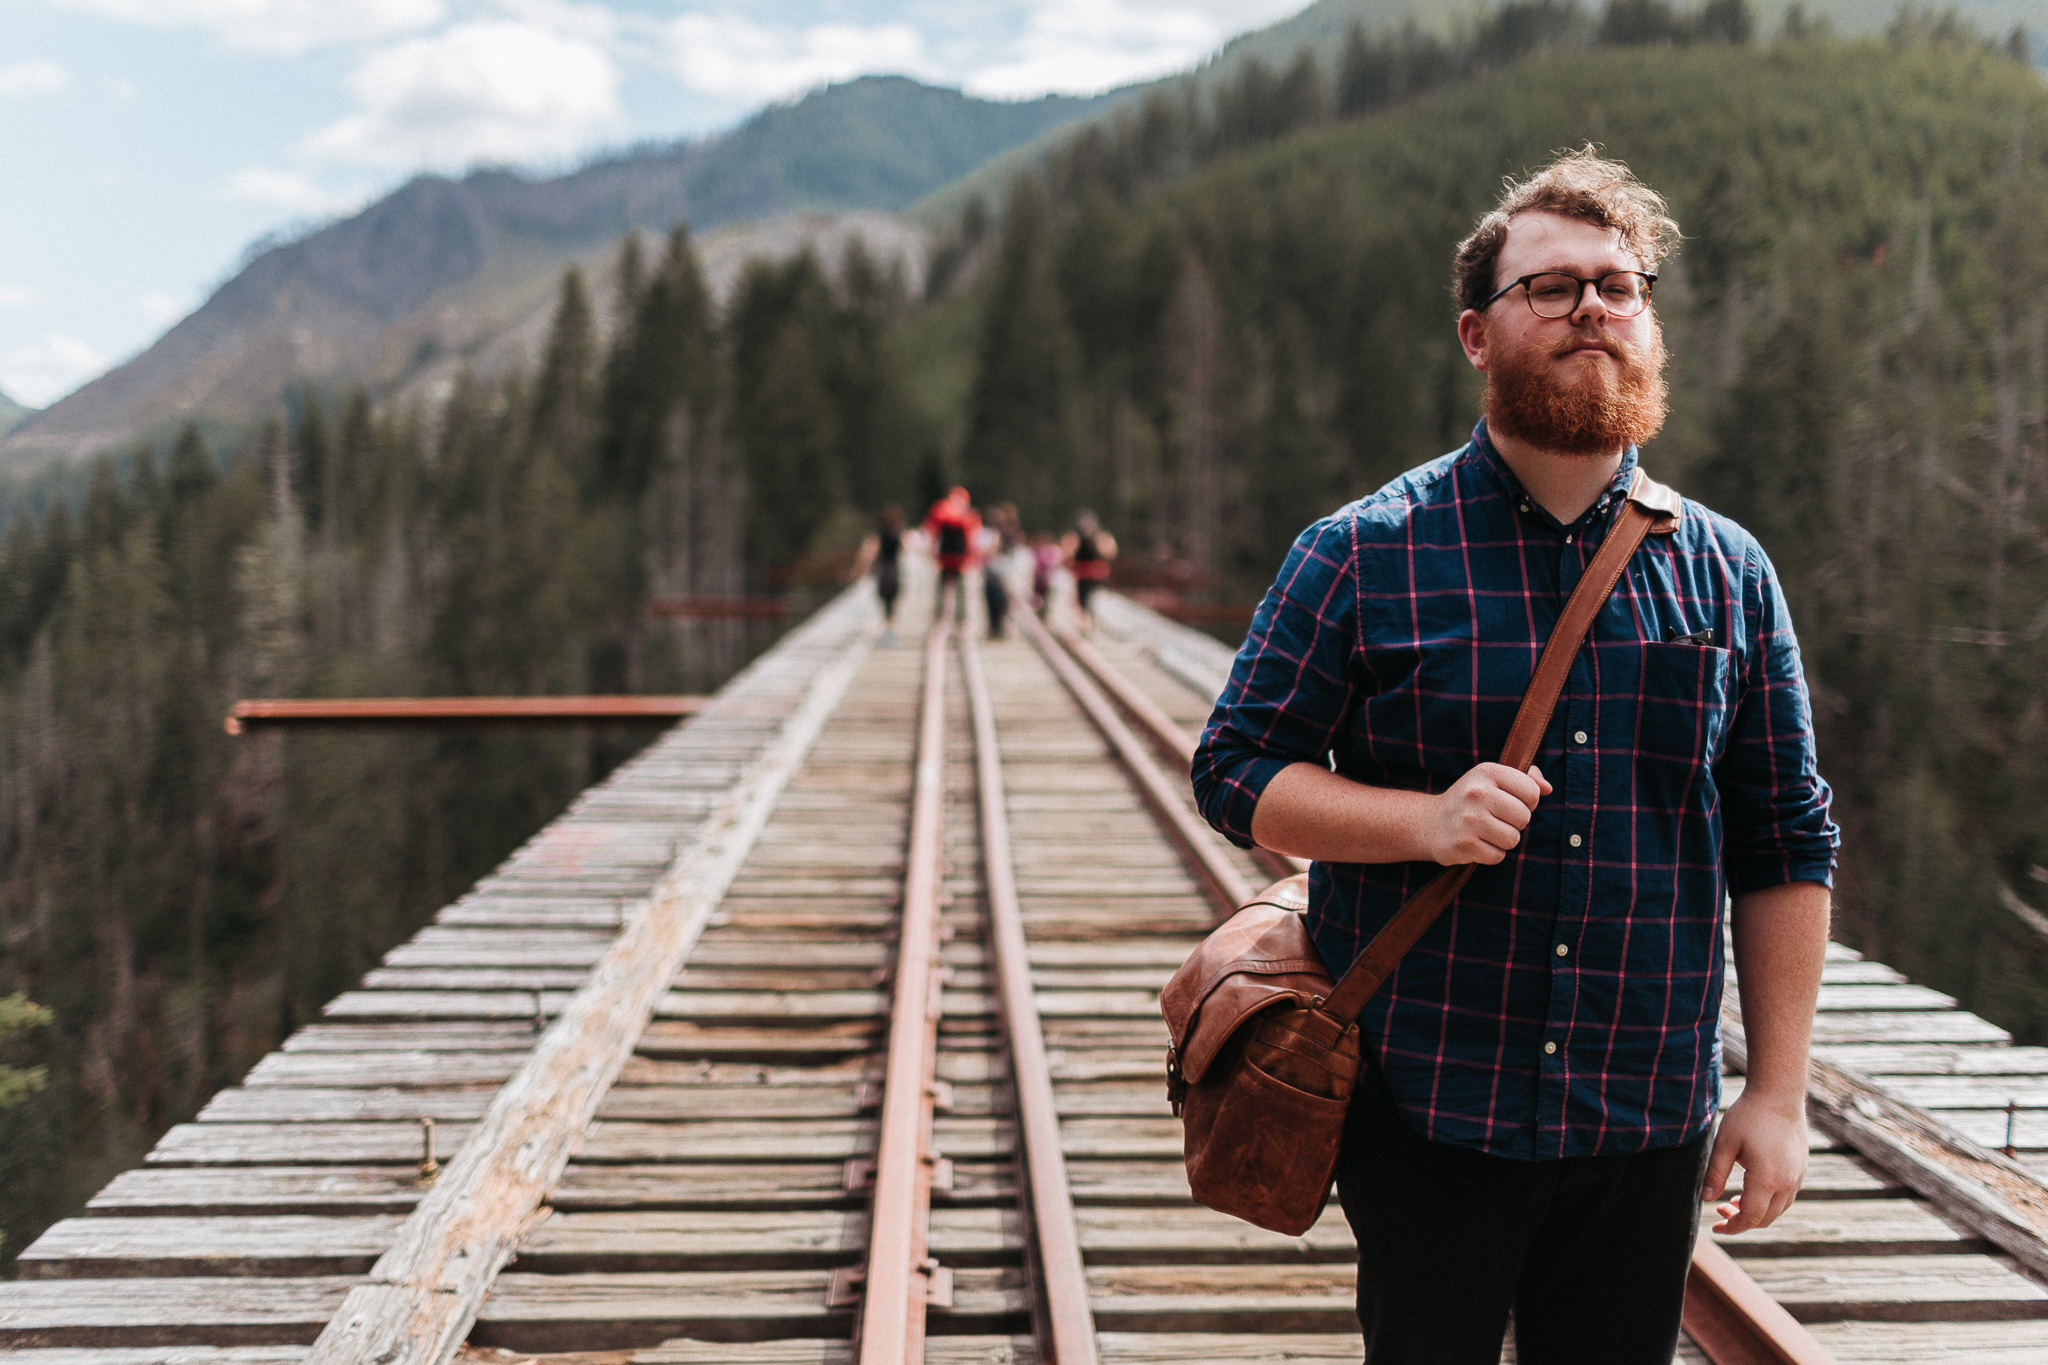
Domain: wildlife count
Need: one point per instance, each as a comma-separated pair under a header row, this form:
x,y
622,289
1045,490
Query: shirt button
x,y
1567,538
1550,1049
1579,737
1576,841
1563,950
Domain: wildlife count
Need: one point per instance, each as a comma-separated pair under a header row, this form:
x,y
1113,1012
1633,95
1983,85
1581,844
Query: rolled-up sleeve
x,y
1775,804
1290,689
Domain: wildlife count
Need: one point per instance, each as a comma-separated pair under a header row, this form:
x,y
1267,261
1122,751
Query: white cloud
x,y
1082,46
162,307
491,91
726,54
19,296
39,375
33,78
292,190
283,26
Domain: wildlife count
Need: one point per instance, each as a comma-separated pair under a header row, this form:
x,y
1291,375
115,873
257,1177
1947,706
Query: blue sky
x,y
145,143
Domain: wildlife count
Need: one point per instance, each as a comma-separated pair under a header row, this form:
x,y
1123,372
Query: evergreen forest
x,y
1212,317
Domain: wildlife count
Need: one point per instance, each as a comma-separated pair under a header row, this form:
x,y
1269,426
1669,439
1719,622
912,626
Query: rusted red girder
x,y
902,1280
1067,1334
719,608
456,710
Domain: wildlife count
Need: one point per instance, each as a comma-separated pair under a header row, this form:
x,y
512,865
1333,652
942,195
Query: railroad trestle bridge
x,y
826,1030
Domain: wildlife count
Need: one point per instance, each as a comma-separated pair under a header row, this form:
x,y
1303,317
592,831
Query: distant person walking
x,y
1089,551
1046,559
999,542
954,529
882,555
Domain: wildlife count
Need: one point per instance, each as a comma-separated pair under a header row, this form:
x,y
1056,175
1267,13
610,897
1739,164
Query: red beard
x,y
1582,407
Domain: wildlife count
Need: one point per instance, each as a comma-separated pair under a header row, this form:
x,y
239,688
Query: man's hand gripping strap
x,y
1649,508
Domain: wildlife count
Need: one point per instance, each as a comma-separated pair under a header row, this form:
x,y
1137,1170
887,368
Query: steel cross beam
x,y
455,710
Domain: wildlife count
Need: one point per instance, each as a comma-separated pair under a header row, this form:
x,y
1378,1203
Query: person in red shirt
x,y
953,528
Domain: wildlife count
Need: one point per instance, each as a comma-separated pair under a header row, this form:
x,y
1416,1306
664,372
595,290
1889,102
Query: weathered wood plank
x,y
424,1038
1970,1092
397,1069
302,1144
682,1040
344,1104
245,1311
1854,1227
425,1291
751,1185
948,1350
160,1355
727,1239
1903,996
1899,1288
1881,1060
586,1312
1936,1343
202,1190
169,1247
1905,1026
1305,1298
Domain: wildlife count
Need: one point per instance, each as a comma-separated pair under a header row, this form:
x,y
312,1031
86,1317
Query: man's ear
x,y
1472,336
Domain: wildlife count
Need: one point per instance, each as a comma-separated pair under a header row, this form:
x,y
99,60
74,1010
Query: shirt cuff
x,y
1761,874
1232,799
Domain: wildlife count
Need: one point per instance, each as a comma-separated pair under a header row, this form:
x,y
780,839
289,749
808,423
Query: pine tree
x,y
1023,428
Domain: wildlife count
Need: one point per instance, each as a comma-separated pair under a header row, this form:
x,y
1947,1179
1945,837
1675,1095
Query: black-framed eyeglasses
x,y
1556,293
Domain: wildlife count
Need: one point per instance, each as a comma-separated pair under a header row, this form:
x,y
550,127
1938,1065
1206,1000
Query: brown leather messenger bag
x,y
1265,1048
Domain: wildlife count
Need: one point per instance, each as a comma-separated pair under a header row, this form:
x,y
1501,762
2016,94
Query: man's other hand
x,y
1768,1140
1483,814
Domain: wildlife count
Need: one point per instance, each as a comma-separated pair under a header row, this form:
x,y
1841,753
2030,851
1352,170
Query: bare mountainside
x,y
444,271
12,414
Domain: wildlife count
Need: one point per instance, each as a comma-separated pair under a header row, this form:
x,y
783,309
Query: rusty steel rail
x,y
1226,886
901,1279
456,710
1066,1331
1727,1314
1163,730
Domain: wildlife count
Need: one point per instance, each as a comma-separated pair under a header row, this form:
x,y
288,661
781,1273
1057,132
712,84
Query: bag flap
x,y
1259,957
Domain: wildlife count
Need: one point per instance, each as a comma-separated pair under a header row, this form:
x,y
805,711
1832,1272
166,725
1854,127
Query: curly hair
x,y
1582,185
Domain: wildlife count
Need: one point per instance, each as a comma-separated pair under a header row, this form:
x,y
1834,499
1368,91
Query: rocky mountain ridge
x,y
446,271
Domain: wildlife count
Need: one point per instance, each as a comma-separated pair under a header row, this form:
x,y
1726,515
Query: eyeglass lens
x,y
1554,295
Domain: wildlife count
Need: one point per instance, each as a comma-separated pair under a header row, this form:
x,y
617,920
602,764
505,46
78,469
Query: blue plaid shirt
x,y
1568,1001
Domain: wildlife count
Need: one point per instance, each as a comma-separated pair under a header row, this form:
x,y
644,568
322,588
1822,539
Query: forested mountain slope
x,y
442,269
1859,376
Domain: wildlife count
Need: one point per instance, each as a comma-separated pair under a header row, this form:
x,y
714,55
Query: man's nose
x,y
1591,307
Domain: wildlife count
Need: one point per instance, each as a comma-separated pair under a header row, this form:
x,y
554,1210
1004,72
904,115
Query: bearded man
x,y
1531,1134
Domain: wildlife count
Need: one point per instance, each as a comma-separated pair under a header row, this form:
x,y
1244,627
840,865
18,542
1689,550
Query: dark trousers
x,y
951,578
1590,1253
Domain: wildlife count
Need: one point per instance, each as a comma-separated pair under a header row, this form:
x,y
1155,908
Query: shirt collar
x,y
1490,464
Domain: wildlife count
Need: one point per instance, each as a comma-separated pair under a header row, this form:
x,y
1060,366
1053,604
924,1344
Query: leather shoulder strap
x,y
1649,508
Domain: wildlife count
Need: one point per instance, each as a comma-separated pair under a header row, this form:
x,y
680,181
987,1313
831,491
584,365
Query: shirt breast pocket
x,y
1685,701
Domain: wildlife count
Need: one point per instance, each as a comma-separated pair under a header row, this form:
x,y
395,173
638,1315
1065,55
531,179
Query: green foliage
x,y
877,142
19,1014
